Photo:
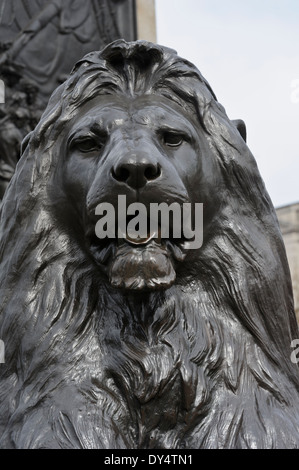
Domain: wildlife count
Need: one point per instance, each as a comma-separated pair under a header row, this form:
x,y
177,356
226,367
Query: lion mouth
x,y
137,263
154,235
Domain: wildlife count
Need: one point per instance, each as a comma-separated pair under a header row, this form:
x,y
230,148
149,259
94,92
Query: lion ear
x,y
241,126
25,142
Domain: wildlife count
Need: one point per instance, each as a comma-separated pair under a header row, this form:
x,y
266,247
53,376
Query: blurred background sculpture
x,y
110,344
40,40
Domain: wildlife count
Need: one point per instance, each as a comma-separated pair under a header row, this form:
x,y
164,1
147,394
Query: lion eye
x,y
87,145
172,139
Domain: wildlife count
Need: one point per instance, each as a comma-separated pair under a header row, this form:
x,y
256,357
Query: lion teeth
x,y
139,240
125,237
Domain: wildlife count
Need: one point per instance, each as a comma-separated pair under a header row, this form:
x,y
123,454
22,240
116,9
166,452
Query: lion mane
x,y
204,363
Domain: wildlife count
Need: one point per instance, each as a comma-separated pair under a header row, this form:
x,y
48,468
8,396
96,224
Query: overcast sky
x,y
248,50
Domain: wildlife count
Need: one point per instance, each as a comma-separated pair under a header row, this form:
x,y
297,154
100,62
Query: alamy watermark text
x,y
2,92
2,352
139,224
295,91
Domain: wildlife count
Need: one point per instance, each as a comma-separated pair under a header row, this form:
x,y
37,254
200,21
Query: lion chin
x,y
137,268
144,266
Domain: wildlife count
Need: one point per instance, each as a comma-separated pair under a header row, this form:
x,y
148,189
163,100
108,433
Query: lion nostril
x,y
122,174
152,172
136,175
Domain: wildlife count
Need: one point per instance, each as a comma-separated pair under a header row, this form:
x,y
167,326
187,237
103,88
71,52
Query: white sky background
x,y
248,50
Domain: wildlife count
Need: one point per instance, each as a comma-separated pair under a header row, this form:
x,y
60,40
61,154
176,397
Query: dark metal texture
x,y
40,40
114,345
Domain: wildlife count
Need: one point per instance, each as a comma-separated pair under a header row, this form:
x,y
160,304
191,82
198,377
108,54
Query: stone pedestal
x,y
146,20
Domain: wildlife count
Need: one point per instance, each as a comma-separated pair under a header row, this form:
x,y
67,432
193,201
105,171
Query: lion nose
x,y
136,173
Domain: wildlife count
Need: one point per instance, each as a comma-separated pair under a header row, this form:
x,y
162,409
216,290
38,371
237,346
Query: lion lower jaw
x,y
144,267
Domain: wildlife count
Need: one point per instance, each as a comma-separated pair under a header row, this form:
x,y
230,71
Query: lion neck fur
x,y
161,372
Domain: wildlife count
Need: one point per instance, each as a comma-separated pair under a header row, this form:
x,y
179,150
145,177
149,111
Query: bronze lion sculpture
x,y
111,344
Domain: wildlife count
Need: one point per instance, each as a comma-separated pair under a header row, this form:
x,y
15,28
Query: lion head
x,y
119,343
